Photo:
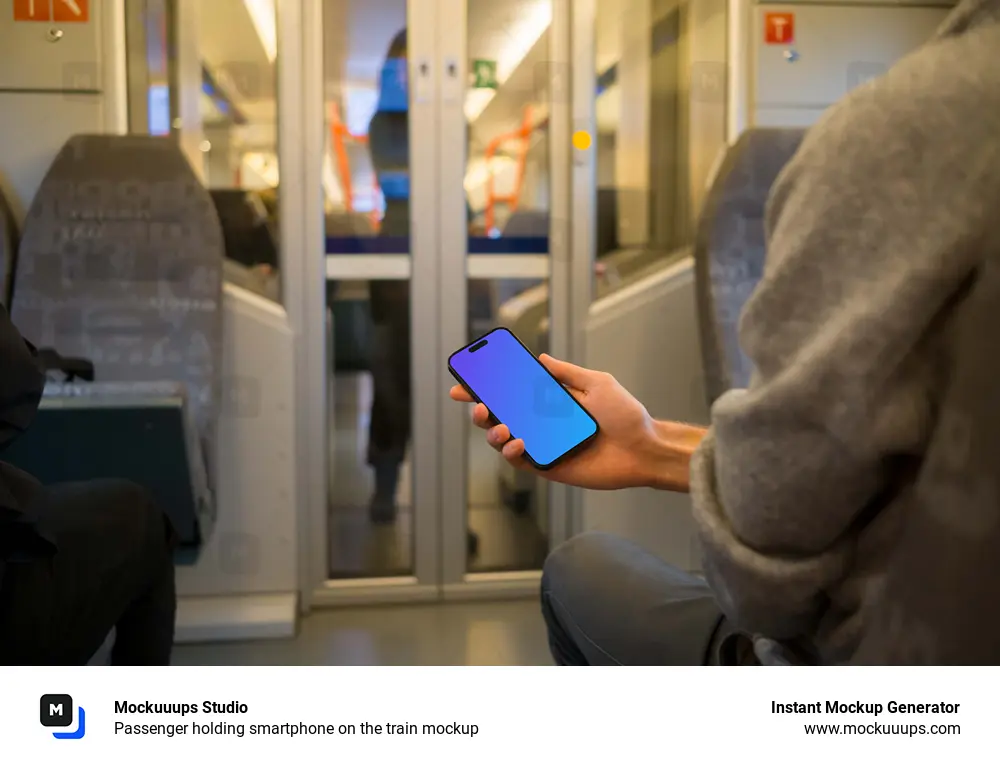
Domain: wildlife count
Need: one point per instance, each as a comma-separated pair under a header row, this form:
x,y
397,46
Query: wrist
x,y
668,456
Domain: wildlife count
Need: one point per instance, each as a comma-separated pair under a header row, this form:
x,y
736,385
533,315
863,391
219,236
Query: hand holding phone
x,y
630,450
499,371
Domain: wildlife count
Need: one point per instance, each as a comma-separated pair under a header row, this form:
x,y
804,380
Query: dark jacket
x,y
21,383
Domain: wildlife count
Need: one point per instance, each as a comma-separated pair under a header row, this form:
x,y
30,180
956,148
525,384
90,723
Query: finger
x,y
513,453
568,374
481,416
459,394
498,436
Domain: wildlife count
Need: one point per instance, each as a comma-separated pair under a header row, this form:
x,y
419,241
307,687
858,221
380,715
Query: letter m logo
x,y
56,710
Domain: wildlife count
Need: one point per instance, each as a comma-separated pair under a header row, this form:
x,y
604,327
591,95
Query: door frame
x,y
299,96
459,266
437,227
582,203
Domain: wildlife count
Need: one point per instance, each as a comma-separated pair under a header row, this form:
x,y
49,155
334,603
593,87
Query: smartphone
x,y
499,371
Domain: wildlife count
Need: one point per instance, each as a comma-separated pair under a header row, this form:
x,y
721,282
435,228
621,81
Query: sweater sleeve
x,y
875,227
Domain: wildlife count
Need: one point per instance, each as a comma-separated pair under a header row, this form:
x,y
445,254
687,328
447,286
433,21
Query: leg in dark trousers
x,y
391,414
113,569
606,601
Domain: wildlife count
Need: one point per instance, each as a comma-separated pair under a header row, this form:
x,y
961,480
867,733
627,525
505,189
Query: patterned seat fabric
x,y
729,257
730,248
121,263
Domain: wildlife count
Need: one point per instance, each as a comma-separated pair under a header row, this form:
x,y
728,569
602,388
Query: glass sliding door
x,y
439,153
504,147
371,274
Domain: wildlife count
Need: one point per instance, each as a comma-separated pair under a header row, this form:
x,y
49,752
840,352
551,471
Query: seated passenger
x,y
76,560
803,483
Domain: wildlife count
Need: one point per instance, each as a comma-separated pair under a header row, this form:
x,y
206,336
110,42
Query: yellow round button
x,y
581,140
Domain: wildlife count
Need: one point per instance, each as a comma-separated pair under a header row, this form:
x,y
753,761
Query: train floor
x,y
508,541
473,633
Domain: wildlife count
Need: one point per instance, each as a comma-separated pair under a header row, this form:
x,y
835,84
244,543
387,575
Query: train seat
x,y
729,257
522,223
120,264
251,244
266,284
527,223
349,224
246,229
729,249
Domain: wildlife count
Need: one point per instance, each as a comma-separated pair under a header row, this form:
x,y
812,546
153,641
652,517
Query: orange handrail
x,y
339,134
523,134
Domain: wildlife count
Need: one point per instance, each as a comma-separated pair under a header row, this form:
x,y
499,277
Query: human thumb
x,y
568,374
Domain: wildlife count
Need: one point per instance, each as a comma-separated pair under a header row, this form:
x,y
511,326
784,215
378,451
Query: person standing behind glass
x,y
391,415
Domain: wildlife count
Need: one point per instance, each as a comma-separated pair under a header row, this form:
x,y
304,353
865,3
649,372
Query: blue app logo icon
x,y
56,712
549,400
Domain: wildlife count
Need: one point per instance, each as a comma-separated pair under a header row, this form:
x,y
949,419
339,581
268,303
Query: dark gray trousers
x,y
606,601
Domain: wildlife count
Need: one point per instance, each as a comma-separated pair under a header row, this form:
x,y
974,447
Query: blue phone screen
x,y
522,395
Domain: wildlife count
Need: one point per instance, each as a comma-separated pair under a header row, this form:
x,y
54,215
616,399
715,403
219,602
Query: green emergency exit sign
x,y
484,74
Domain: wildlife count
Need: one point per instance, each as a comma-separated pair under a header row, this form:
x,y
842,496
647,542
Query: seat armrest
x,y
74,368
134,409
